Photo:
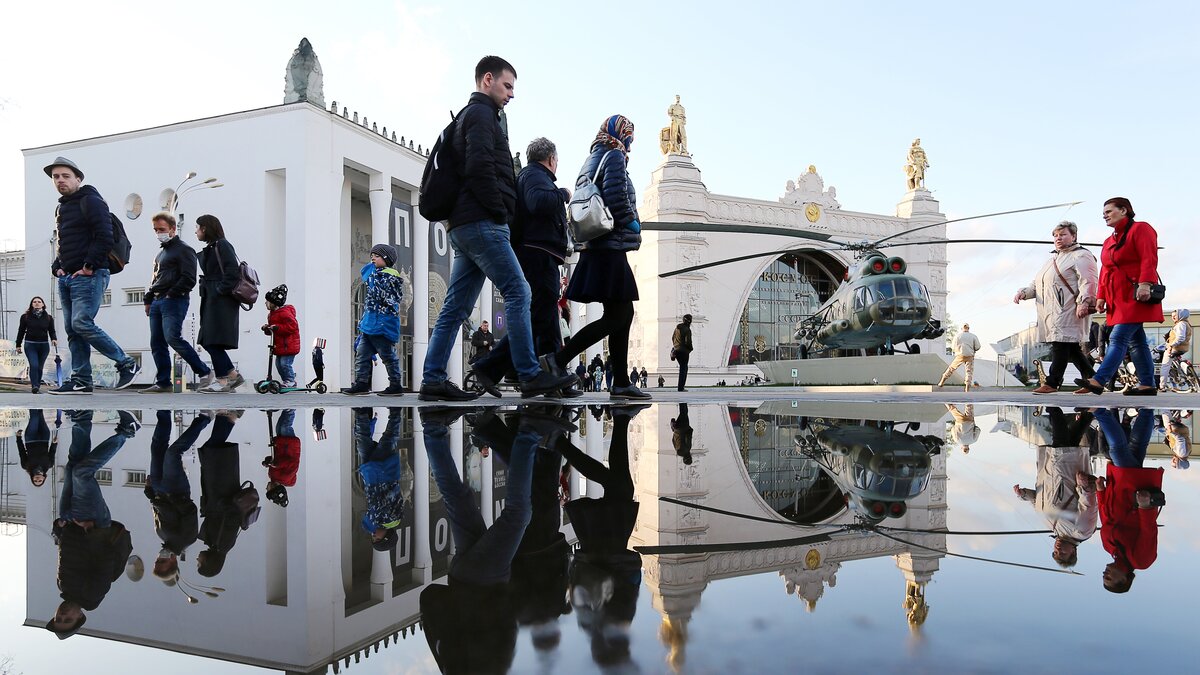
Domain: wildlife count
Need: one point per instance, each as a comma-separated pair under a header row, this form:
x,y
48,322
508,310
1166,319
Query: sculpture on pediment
x,y
673,139
809,189
917,163
304,80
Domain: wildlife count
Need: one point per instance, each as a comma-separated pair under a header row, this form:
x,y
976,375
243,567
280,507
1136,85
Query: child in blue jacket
x,y
380,325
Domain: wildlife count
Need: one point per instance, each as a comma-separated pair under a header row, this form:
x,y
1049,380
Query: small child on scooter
x,y
285,331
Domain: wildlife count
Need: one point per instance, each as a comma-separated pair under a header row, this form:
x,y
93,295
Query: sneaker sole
x,y
626,397
355,393
395,395
68,393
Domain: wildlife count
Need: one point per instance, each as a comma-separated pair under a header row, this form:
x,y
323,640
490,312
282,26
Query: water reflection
x,y
654,526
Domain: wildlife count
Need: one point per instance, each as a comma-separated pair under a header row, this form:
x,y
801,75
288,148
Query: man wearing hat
x,y
965,346
379,328
85,237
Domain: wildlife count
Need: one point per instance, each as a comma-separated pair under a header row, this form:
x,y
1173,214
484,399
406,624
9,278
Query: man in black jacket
x,y
681,347
478,230
84,239
539,238
166,304
482,340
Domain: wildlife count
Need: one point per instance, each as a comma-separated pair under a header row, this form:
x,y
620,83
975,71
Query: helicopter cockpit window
x,y
862,298
885,289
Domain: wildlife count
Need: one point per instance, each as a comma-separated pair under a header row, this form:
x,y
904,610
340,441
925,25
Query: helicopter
x,y
877,305
878,468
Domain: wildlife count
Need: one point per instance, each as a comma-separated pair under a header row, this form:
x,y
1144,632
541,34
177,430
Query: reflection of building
x,y
746,311
733,470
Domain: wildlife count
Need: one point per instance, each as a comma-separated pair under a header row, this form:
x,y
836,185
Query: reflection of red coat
x,y
1136,260
286,461
1130,534
287,330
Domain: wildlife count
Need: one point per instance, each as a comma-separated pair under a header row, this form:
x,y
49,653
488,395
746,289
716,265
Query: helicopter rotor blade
x,y
726,261
979,241
736,229
985,215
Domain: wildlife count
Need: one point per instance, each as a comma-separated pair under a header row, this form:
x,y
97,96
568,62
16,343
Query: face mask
x,y
163,237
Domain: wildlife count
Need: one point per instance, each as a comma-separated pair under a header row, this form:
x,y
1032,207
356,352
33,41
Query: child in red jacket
x,y
282,324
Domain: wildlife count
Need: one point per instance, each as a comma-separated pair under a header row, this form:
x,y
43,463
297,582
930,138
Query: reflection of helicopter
x,y
877,306
877,467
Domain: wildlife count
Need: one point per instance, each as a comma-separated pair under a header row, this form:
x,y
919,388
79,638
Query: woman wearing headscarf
x,y
603,274
1064,291
1129,265
36,331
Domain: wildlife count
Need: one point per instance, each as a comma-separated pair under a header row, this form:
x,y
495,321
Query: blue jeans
x,y
1126,451
167,475
370,345
284,426
166,330
222,364
482,251
81,498
287,373
483,554
36,352
81,298
1131,338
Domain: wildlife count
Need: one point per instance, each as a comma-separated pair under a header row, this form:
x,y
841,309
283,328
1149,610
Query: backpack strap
x,y
600,166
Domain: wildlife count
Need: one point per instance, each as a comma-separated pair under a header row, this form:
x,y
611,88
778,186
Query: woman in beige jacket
x,y
1065,293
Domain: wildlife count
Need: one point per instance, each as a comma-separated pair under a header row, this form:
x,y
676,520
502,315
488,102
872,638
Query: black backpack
x,y
118,257
442,178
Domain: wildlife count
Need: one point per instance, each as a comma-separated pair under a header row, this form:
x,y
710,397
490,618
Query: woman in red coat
x,y
1129,264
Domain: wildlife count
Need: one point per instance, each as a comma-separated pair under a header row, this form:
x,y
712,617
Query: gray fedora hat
x,y
63,161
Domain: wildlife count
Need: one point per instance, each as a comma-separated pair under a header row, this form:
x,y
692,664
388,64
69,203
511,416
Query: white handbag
x,y
588,215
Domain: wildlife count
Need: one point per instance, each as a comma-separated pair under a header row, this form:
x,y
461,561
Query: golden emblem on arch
x,y
760,427
812,559
812,212
760,344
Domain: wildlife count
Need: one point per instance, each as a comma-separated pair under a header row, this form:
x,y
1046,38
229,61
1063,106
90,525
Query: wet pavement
x,y
756,530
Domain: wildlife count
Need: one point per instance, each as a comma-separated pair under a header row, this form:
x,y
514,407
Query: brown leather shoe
x,y
1082,390
1046,389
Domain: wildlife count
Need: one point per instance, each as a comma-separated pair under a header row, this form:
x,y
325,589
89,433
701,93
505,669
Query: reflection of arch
x,y
776,298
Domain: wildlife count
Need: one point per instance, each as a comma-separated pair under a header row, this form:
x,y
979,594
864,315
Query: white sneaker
x,y
217,387
206,380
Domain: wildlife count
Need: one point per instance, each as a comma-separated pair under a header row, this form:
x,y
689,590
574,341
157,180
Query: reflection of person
x,y
965,346
469,623
380,470
1129,265
176,519
284,462
1128,520
605,575
36,447
92,547
225,514
681,434
36,332
1068,505
1064,291
1179,440
965,431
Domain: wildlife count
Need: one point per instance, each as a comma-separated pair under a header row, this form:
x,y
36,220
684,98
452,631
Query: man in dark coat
x,y
482,340
478,229
84,239
681,347
176,519
539,238
167,302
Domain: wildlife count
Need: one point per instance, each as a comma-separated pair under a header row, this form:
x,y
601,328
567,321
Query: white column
x,y
594,447
381,207
420,294
486,505
422,557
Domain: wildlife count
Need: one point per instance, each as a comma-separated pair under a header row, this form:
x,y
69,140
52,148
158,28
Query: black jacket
x,y
541,220
36,328
489,184
219,311
620,198
82,241
89,562
174,271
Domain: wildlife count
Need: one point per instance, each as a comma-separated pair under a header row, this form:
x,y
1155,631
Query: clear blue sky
x,y
1017,105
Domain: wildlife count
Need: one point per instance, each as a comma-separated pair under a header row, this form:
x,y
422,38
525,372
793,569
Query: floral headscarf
x,y
616,133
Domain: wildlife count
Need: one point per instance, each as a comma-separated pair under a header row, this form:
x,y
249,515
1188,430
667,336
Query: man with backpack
x,y
83,257
470,183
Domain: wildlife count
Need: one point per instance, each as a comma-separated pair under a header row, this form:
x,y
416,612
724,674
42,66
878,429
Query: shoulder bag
x,y
245,291
588,215
1157,291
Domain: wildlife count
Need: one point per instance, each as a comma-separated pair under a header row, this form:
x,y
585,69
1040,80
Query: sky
x,y
1017,104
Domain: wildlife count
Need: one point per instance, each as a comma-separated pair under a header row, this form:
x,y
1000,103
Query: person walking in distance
x,y
83,241
965,346
166,303
478,231
36,332
681,347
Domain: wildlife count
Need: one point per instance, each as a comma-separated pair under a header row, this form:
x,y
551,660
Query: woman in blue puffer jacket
x,y
603,274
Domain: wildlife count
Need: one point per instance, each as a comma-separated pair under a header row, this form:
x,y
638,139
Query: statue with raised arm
x,y
673,138
917,163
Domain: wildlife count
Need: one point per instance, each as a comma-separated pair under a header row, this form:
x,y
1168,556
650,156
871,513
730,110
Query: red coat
x,y
287,330
1130,534
285,462
1136,260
